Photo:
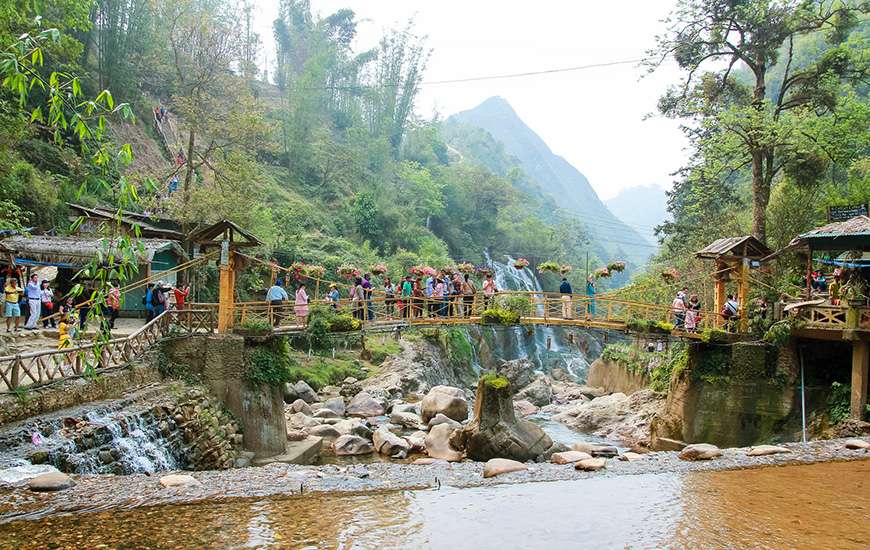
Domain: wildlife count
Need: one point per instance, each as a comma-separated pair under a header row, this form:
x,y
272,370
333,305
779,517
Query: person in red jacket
x,y
181,295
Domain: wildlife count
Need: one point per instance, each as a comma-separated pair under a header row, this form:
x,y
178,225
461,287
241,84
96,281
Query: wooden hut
x,y
70,254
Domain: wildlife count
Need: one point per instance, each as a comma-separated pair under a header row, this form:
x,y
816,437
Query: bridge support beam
x,y
226,295
860,367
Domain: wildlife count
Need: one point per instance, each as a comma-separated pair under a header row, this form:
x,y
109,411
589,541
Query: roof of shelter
x,y
745,246
851,234
149,224
214,234
77,251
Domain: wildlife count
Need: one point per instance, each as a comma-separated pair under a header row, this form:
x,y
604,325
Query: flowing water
x,y
823,505
546,347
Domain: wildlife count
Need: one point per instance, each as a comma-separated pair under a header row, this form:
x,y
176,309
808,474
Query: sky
x,y
595,118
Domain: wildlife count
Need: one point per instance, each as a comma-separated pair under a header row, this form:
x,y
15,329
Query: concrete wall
x,y
614,378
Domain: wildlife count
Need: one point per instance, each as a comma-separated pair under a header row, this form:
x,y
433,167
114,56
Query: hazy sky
x,y
594,118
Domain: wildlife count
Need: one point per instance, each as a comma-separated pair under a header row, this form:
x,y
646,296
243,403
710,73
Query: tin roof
x,y
746,245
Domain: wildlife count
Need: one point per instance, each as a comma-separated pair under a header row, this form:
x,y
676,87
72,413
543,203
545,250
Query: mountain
x,y
551,174
642,207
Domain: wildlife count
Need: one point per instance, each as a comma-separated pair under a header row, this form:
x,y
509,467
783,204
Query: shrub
x,y
324,371
499,316
256,325
344,322
521,305
269,365
839,402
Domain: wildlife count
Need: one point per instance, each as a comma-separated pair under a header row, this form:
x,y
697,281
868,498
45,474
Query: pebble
x,y
178,480
765,450
700,451
591,464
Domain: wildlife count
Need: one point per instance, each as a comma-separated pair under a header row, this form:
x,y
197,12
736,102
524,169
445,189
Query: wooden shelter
x,y
227,236
733,257
150,226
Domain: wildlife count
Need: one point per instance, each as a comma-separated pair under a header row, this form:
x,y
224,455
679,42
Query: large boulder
x,y
50,481
520,372
300,406
700,451
348,445
301,420
446,400
496,432
335,404
438,444
441,419
389,444
524,407
363,405
325,431
498,466
299,390
353,426
407,420
539,392
857,444
590,464
569,457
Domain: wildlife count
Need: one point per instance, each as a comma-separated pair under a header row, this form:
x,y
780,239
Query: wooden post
x,y
719,299
860,365
743,294
273,276
226,296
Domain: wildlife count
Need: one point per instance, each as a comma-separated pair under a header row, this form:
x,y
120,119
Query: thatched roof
x,y
153,227
852,234
76,251
211,236
746,246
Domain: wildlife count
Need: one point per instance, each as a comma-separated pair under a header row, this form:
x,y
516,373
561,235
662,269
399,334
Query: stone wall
x,y
616,378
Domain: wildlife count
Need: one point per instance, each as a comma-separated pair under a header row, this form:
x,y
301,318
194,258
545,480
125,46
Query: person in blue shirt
x,y
149,302
590,293
565,291
276,296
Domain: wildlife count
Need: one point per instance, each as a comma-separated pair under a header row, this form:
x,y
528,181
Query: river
x,y
824,505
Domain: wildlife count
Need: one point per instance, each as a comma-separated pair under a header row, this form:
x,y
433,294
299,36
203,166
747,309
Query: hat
x,y
331,285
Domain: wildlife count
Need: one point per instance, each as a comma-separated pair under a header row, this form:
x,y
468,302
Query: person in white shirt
x,y
679,308
34,301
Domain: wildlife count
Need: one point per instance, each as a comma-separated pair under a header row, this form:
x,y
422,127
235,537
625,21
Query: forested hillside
x,y
324,160
556,178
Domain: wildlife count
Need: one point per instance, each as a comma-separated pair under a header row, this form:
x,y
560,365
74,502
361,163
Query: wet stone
x,y
53,481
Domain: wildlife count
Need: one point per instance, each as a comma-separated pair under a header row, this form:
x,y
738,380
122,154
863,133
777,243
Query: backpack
x,y
155,297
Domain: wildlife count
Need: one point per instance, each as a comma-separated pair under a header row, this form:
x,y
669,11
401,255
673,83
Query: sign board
x,y
843,213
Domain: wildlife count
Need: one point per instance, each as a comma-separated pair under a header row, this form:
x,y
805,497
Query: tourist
x,y
761,308
430,303
693,313
407,293
445,298
456,295
160,296
276,296
11,306
590,295
357,299
468,292
417,299
148,301
84,308
438,296
173,186
33,291
489,290
729,312
333,296
113,303
181,295
678,306
565,291
389,297
301,304
46,304
367,296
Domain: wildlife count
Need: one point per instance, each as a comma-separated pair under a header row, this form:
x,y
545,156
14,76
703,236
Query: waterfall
x,y
530,342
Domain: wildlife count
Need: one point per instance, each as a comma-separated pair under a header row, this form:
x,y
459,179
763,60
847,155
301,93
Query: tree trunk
x,y
188,177
760,196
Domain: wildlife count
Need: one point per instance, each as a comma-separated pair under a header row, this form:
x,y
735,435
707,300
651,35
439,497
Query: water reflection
x,y
823,505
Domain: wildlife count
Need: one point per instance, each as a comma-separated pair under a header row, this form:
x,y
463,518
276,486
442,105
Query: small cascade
x,y
547,347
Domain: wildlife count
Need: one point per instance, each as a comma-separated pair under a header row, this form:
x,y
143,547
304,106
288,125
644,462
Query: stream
x,y
758,508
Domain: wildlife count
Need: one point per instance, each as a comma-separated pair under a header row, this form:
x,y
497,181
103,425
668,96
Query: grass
x,y
495,381
319,371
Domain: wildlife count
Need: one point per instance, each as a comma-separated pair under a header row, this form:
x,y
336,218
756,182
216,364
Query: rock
x,y
306,451
667,444
300,406
441,419
524,407
17,474
427,461
363,405
446,400
350,387
498,466
335,404
389,444
417,441
700,451
353,426
347,445
407,408
330,390
326,413
519,372
331,421
630,456
325,431
178,480
296,435
857,444
590,464
539,392
350,380
616,416
51,481
569,457
496,432
437,444
105,457
304,392
300,420
407,419
38,457
765,450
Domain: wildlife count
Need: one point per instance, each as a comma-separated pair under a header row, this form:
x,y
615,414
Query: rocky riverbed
x,y
101,492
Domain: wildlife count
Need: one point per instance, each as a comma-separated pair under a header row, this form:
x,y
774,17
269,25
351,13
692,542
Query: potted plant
x,y
254,329
378,269
855,292
564,269
448,270
465,268
670,275
347,272
601,272
296,270
315,271
616,267
551,267
521,263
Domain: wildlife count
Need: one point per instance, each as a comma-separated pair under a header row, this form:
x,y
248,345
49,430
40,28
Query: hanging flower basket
x,y
422,271
601,272
670,275
296,270
521,263
549,267
347,272
483,270
448,270
378,269
616,267
315,271
565,269
465,268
